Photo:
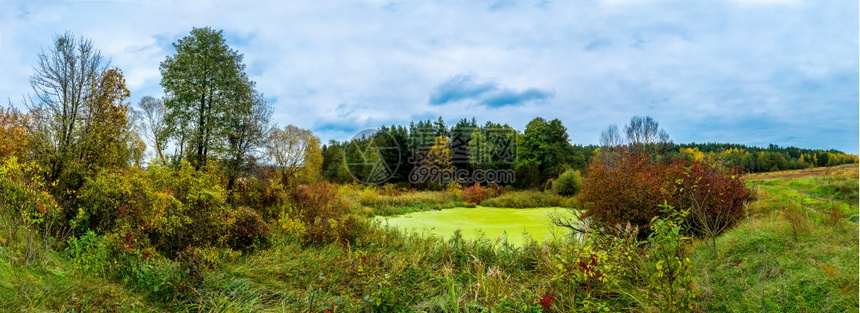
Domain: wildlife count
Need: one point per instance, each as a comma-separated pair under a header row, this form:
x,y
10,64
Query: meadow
x,y
796,251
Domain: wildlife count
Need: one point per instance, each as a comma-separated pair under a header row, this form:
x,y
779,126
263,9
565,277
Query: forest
x,y
199,201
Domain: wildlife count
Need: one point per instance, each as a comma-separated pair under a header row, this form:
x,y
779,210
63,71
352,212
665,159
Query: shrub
x,y
89,253
247,230
715,196
671,275
324,215
28,213
475,194
623,189
568,183
629,188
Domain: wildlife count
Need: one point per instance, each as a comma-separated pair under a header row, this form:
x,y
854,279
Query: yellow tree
x,y
296,153
110,139
439,154
13,133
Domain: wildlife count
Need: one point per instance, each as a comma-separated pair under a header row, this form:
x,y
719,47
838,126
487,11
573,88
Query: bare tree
x,y
644,135
611,137
61,83
152,121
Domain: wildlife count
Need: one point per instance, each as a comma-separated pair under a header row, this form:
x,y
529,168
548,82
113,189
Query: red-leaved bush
x,y
248,231
630,188
715,196
475,194
624,189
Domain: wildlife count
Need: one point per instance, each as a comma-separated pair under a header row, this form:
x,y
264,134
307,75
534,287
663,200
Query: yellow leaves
x,y
14,136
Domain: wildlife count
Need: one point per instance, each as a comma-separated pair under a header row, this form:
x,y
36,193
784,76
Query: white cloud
x,y
694,66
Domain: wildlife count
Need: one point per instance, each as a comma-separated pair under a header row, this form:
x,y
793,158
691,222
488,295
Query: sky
x,y
753,72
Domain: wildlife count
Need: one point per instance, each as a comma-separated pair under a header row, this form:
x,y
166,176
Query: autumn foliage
x,y
629,188
324,216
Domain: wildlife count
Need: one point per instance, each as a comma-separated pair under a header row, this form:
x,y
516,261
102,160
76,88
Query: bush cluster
x,y
630,188
476,193
167,209
568,183
320,216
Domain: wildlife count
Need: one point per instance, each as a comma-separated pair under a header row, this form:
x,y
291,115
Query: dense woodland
x,y
159,198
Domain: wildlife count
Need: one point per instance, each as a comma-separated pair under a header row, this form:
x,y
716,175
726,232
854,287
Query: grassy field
x,y
797,251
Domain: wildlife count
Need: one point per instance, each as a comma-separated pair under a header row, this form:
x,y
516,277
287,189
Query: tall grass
x,y
389,200
796,253
530,199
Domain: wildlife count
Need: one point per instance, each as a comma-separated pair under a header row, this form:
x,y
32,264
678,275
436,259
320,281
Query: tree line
x,y
79,122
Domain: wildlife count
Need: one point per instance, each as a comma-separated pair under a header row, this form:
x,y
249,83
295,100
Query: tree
x,y
14,136
645,136
296,153
109,139
62,85
154,124
207,94
245,134
610,138
334,165
546,145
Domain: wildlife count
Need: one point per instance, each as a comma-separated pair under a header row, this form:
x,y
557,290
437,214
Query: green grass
x,y
759,266
57,287
516,226
387,201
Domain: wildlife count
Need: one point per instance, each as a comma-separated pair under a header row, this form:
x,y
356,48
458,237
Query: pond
x,y
516,224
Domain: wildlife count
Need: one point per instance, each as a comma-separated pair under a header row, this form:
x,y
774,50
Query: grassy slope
x,y
759,266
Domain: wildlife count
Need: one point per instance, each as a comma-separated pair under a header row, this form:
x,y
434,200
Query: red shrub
x,y
629,188
475,194
626,189
249,231
715,196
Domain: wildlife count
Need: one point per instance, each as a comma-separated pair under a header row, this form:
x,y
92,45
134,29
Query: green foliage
x,y
772,158
760,266
545,144
531,199
671,276
391,200
212,107
568,183
28,214
90,254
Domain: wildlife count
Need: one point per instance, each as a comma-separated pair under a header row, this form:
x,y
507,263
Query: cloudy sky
x,y
744,71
